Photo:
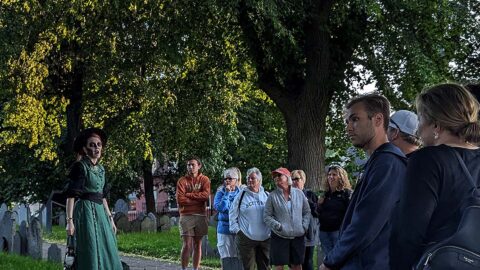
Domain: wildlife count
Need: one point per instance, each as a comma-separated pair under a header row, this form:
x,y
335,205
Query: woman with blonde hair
x,y
311,237
436,185
333,205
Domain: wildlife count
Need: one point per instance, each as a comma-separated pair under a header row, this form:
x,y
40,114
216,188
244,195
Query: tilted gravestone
x,y
121,206
122,223
54,253
7,230
34,239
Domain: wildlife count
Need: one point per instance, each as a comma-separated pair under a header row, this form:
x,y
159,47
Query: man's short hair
x,y
374,103
199,162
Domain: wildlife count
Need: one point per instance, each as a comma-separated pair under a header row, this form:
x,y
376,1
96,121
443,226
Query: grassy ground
x,y
12,262
164,245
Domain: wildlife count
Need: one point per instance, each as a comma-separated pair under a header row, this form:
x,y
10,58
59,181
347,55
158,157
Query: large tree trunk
x,y
305,137
148,186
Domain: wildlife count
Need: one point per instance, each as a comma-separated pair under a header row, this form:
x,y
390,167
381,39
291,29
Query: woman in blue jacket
x,y
223,200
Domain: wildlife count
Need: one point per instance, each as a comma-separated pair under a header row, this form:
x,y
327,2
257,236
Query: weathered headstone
x,y
141,216
174,221
3,209
207,249
61,219
7,230
23,236
153,217
122,223
23,212
164,223
148,224
17,244
136,225
34,239
54,253
121,206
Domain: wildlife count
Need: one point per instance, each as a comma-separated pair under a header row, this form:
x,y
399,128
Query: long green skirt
x,y
96,245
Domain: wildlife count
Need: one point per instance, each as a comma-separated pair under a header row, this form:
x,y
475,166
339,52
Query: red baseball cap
x,y
283,171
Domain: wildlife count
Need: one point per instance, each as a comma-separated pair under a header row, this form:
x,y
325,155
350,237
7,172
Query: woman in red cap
x,y
286,206
89,218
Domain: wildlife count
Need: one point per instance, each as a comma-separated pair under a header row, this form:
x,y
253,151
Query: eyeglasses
x,y
296,179
229,179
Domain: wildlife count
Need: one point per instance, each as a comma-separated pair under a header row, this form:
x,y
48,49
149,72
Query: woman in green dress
x,y
89,218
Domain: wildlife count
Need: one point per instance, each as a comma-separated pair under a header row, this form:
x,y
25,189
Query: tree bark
x,y
148,186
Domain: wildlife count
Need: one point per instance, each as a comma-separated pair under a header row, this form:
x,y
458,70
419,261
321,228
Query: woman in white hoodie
x,y
246,220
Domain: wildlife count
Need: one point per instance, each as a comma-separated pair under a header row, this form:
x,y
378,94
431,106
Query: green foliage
x,y
9,261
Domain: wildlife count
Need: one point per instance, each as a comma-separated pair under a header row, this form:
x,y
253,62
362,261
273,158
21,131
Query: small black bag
x,y
69,261
462,249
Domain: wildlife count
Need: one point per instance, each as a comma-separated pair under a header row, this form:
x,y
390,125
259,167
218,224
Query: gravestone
x,y
23,213
154,217
54,253
122,223
17,244
22,232
62,219
136,225
34,239
141,216
174,221
148,224
207,249
3,209
7,230
164,223
121,206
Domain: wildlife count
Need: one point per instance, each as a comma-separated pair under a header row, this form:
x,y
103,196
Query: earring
x,y
435,135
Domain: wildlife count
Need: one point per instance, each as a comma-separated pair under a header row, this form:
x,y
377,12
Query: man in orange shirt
x,y
193,192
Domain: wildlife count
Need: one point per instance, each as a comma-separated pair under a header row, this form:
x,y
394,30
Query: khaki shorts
x,y
192,225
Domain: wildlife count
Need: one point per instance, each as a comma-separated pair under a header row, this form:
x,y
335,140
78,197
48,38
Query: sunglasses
x,y
296,179
229,179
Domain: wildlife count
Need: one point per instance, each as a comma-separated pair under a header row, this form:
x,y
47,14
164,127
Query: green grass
x,y
12,262
164,245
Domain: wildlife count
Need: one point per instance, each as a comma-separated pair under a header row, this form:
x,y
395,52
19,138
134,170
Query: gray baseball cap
x,y
405,121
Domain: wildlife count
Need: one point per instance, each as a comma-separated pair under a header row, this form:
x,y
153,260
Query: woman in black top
x,y
332,207
429,210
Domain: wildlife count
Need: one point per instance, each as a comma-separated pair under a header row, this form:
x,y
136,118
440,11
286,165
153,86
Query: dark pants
x,y
253,252
308,260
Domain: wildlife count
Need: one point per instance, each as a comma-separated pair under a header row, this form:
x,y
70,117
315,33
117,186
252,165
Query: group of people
x,y
406,199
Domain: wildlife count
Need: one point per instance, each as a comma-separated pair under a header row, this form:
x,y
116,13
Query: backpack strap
x,y
241,198
467,173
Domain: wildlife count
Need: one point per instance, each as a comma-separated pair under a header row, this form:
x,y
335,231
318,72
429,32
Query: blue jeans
x,y
328,240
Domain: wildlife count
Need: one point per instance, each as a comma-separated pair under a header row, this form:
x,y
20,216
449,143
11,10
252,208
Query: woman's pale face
x,y
253,183
426,131
93,149
281,181
333,178
298,181
231,182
